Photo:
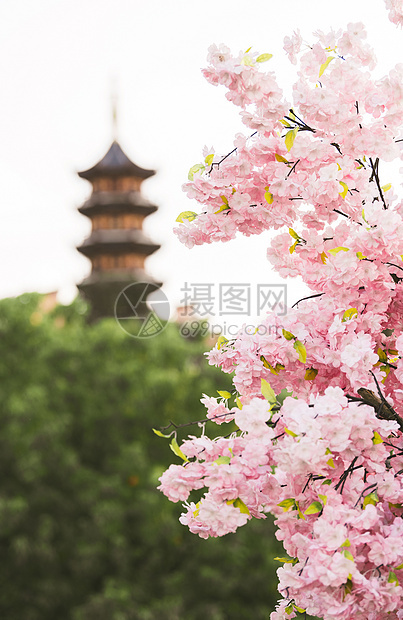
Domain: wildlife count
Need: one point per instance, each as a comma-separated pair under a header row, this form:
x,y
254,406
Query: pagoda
x,y
117,246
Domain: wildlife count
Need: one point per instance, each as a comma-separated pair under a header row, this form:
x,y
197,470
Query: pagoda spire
x,y
114,105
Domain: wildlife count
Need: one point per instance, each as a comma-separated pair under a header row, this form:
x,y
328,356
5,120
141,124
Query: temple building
x,y
117,246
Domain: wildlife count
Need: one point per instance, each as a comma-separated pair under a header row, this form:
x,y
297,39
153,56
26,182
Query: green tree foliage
x,y
84,534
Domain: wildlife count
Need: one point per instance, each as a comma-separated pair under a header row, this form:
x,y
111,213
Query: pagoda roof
x,y
116,163
117,241
117,202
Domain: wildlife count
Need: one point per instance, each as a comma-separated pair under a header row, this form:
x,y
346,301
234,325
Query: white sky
x,y
58,59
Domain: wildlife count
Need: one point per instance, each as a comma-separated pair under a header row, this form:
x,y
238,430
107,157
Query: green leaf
x,y
377,438
287,560
292,248
224,394
382,355
301,516
313,508
268,392
268,197
290,137
328,481
283,395
330,462
286,504
346,543
280,158
392,578
224,206
372,498
223,460
344,191
194,169
161,434
386,188
221,342
264,57
299,609
294,234
242,506
349,314
335,251
238,403
186,215
290,433
399,567
289,609
288,335
360,255
209,159
248,50
388,332
176,450
301,350
348,555
323,498
325,65
310,374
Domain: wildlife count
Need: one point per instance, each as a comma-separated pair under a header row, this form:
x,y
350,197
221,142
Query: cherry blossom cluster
x,y
315,418
395,8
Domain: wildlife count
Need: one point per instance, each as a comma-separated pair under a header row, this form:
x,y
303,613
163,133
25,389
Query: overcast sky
x,y
58,61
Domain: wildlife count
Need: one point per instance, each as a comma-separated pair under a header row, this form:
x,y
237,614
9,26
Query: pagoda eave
x,y
115,208
94,249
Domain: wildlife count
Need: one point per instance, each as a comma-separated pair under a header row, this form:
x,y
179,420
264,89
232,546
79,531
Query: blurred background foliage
x,y
84,534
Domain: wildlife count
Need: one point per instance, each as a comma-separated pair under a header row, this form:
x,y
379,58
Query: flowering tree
x,y
317,401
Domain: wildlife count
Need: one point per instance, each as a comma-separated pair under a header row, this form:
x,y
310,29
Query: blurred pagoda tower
x,y
117,245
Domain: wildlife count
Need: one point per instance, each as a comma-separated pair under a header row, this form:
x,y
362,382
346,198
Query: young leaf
x,y
268,197
314,508
344,191
194,169
161,434
242,506
392,578
348,555
290,137
221,342
301,350
209,159
288,335
310,374
294,234
286,504
292,248
290,433
280,158
382,355
186,215
349,314
264,57
224,394
287,560
372,498
223,460
268,392
283,395
325,65
335,251
176,450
